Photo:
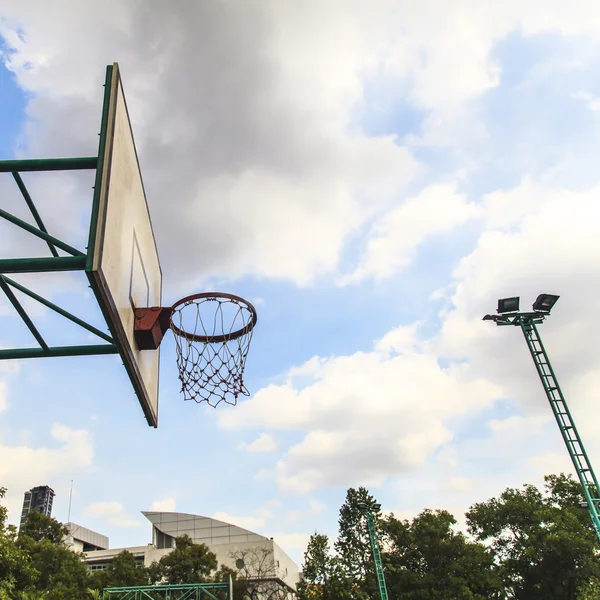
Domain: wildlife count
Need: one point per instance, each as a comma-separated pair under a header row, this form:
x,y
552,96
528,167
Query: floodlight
x,y
508,304
545,302
489,318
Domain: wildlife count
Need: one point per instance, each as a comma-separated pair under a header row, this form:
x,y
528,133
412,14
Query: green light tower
x,y
367,511
508,314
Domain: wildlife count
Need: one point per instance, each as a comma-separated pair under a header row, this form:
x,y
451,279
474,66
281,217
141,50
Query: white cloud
x,y
125,521
397,235
458,484
552,462
23,467
103,509
164,505
3,397
276,139
263,443
548,245
113,512
592,101
364,417
292,542
252,523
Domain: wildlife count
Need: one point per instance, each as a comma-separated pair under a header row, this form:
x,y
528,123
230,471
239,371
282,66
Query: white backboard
x,y
124,267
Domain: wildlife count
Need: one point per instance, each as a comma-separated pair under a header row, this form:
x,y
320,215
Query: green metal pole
x,y
564,420
372,527
41,234
42,265
58,309
48,164
33,209
91,350
22,313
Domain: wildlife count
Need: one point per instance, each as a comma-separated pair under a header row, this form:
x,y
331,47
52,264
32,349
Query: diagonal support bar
x,y
42,265
58,309
48,164
41,234
91,350
23,314
33,209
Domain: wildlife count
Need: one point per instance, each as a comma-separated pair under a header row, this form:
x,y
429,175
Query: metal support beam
x,y
48,164
15,302
33,210
58,351
41,234
169,592
58,309
42,265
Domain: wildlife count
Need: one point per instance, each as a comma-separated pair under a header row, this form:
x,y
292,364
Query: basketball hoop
x,y
212,333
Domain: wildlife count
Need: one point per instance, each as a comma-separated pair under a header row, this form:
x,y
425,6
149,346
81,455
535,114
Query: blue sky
x,y
373,179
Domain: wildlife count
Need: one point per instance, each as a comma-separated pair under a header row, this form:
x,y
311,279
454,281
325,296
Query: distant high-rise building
x,y
40,499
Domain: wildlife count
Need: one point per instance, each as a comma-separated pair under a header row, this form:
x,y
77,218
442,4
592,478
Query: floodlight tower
x,y
368,511
508,314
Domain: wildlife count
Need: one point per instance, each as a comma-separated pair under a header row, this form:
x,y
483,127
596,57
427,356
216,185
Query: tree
x,y
122,571
16,572
353,546
187,563
427,559
258,575
323,575
544,543
61,574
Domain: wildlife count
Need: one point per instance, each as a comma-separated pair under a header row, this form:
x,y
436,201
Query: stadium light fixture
x,y
508,304
545,302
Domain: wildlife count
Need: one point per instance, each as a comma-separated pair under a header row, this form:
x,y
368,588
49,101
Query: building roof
x,y
201,529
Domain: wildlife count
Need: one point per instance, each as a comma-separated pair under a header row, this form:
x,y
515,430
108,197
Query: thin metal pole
x,y
48,164
41,234
70,499
59,310
376,555
91,350
42,265
23,314
33,210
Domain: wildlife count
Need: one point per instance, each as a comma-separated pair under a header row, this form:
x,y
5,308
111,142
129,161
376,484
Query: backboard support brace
x,y
151,324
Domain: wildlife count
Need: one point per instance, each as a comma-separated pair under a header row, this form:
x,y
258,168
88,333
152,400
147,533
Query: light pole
x,y
368,510
508,314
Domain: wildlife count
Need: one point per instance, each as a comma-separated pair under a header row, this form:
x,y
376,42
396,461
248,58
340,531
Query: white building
x,y
81,539
230,543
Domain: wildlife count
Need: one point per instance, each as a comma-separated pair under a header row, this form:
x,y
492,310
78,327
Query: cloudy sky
x,y
373,176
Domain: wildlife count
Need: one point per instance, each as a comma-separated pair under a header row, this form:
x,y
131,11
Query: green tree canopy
x,y
323,575
426,559
61,574
122,571
187,563
16,571
352,545
545,546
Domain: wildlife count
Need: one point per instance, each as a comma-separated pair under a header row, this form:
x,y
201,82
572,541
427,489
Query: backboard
x,y
123,264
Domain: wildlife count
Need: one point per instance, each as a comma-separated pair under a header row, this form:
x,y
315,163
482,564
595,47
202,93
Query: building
x,y
234,547
39,499
81,539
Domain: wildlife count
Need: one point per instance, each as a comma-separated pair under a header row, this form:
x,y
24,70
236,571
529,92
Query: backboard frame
x,y
120,318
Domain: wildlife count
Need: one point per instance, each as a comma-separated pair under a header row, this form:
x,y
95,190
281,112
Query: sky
x,y
373,176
